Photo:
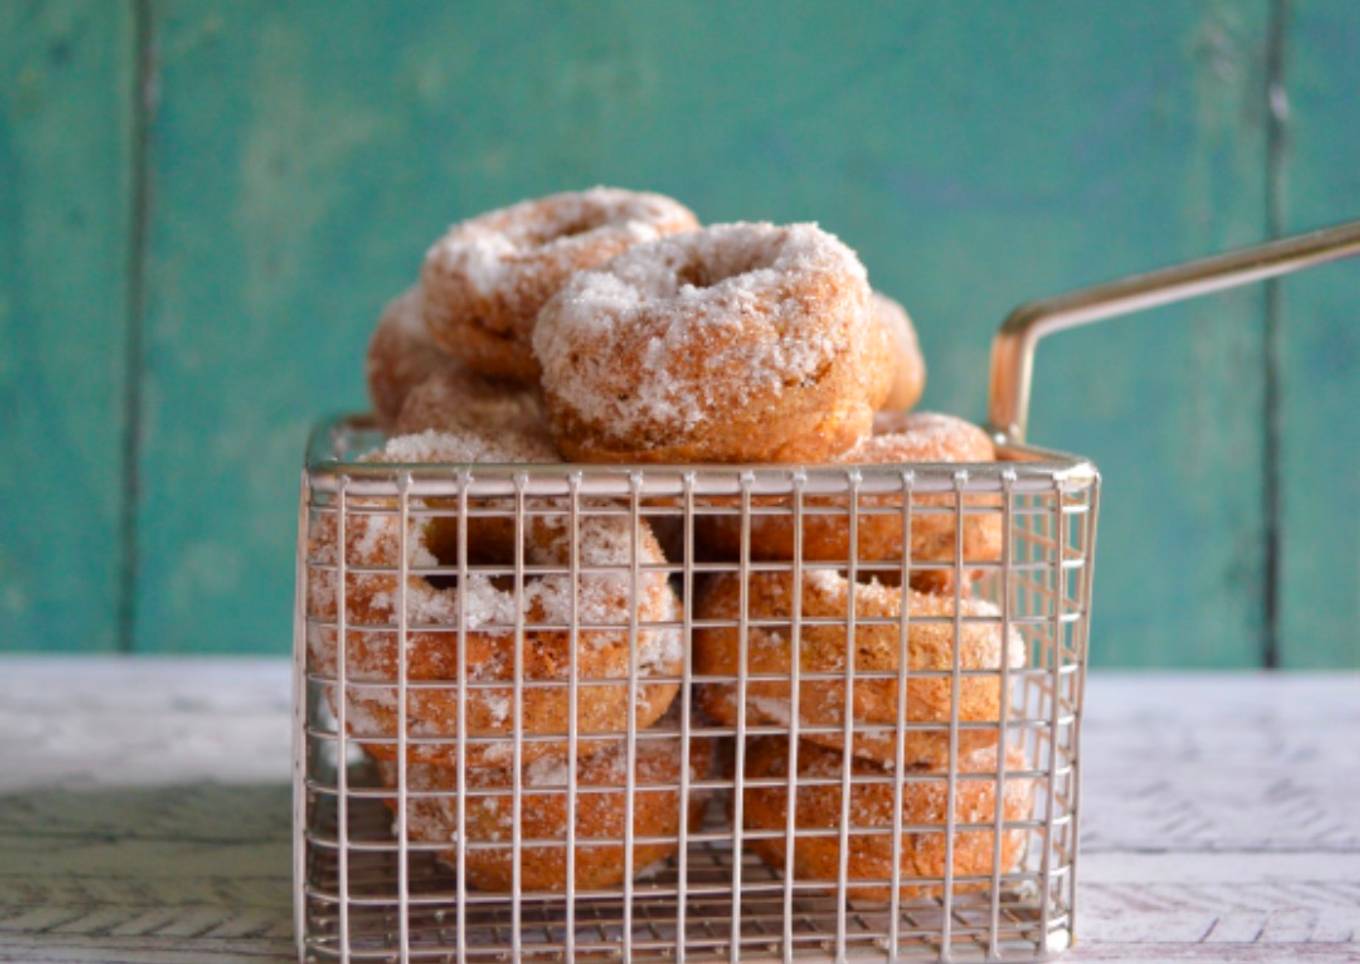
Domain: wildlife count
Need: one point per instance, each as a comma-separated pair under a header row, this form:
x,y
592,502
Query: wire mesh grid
x,y
539,740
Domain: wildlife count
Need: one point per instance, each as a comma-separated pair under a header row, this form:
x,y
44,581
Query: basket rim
x,y
1027,468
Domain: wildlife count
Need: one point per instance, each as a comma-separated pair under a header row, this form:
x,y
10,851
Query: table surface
x,y
144,814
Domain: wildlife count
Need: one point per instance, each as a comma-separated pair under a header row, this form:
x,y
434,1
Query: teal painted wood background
x,y
204,204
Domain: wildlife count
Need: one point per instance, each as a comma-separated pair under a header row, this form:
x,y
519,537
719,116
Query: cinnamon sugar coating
x,y
878,648
601,798
908,365
487,277
743,342
401,354
458,401
871,805
486,606
898,438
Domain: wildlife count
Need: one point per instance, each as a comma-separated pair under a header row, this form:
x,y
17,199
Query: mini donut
x,y
898,437
401,355
818,807
735,343
909,367
455,400
879,366
487,277
543,814
930,646
602,599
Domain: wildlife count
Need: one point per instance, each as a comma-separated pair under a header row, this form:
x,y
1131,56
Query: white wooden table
x,y
144,814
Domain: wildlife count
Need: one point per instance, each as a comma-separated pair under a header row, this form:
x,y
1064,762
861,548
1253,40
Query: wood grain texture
x,y
144,811
1320,339
969,173
65,84
1217,809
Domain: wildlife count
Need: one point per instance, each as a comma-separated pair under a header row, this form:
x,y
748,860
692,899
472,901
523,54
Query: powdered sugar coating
x,y
677,336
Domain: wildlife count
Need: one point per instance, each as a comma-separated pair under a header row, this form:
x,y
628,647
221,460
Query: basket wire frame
x,y
360,894
367,889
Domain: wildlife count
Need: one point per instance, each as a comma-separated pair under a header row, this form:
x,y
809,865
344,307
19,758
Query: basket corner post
x,y
298,768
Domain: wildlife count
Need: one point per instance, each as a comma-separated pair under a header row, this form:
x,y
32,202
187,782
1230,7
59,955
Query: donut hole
x,y
490,543
484,327
707,272
582,222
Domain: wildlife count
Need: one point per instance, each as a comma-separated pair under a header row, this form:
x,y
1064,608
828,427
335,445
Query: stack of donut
x,y
609,326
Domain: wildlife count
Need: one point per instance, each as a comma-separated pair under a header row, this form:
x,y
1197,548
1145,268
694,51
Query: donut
x,y
602,601
899,437
818,807
909,367
822,647
488,817
456,400
401,355
735,343
487,277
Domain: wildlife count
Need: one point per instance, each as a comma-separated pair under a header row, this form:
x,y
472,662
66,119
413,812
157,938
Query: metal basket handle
x,y
1014,345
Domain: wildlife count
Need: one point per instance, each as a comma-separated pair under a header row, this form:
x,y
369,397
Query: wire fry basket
x,y
491,762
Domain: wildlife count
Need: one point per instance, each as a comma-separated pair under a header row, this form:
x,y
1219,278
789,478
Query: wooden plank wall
x,y
205,203
66,173
1318,346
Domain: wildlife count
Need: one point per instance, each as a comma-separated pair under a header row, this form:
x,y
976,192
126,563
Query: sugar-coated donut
x,y
898,437
735,343
456,400
822,649
601,602
909,367
878,368
401,354
818,807
543,814
487,277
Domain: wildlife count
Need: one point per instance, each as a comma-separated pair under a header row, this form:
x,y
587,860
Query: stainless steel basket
x,y
374,882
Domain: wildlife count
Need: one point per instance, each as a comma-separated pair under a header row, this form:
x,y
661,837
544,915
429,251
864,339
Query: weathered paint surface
x,y
65,85
300,157
1320,348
